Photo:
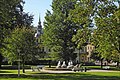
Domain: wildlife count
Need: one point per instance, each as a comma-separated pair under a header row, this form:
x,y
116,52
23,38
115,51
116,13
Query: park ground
x,y
92,74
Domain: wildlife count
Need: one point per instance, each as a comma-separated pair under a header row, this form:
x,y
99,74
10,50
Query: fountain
x,y
60,67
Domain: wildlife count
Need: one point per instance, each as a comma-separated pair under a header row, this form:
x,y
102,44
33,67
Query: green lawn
x,y
12,75
99,67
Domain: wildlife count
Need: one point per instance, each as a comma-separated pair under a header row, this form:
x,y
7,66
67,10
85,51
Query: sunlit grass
x,y
29,75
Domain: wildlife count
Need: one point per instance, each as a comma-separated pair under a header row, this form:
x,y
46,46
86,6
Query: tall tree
x,y
12,15
58,30
105,15
6,7
108,30
21,44
83,16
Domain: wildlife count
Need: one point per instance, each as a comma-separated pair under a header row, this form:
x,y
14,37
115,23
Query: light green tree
x,y
20,45
105,16
83,15
107,34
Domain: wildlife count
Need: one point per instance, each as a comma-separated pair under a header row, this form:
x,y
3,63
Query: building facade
x,y
84,53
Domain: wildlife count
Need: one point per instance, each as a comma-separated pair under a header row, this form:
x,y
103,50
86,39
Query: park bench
x,y
38,67
106,67
78,68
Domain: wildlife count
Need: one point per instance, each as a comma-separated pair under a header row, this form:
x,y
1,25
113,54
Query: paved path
x,y
96,70
50,71
93,70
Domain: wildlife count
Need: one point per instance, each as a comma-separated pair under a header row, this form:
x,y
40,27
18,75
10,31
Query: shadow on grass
x,y
5,72
13,67
61,76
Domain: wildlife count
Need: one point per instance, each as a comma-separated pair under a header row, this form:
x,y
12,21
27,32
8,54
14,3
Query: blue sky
x,y
37,7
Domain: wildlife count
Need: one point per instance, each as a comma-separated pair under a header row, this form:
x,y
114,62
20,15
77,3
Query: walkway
x,y
50,71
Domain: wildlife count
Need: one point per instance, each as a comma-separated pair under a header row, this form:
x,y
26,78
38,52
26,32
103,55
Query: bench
x,y
78,67
106,67
38,67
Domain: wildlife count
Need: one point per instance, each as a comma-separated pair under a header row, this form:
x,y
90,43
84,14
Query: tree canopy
x,y
12,16
58,30
20,44
107,34
75,20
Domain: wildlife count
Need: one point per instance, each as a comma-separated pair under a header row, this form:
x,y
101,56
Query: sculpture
x,y
70,65
63,65
58,65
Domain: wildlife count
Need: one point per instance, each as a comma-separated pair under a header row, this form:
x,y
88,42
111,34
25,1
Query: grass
x,y
12,75
99,67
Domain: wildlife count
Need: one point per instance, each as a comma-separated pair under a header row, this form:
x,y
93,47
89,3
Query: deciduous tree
x,y
20,45
11,16
108,30
58,30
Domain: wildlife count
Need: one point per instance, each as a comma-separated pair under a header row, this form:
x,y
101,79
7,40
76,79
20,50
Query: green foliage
x,y
56,53
20,42
81,37
58,29
105,15
107,34
11,16
83,15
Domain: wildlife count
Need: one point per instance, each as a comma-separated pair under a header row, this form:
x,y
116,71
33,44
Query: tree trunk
x,y
101,63
49,63
0,65
1,58
118,64
23,66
